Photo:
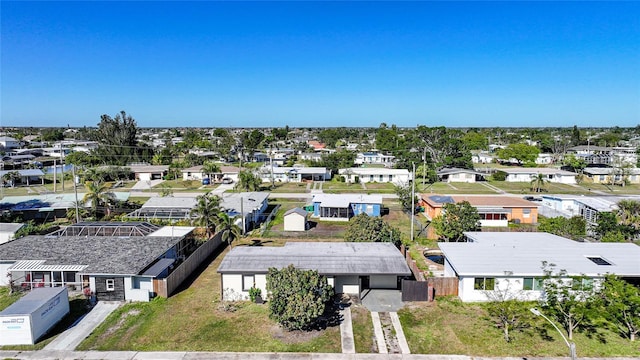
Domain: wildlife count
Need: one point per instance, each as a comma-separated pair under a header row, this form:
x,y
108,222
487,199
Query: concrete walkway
x,y
73,336
402,340
379,335
346,332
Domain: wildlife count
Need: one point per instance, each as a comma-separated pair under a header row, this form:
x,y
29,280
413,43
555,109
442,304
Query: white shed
x,y
295,220
25,321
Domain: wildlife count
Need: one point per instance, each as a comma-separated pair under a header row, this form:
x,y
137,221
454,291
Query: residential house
x,y
7,142
47,206
316,145
25,176
512,263
315,157
342,207
544,159
376,174
149,172
587,207
296,219
349,267
166,208
481,157
116,261
519,174
8,231
494,211
196,173
611,176
601,155
293,174
450,175
374,158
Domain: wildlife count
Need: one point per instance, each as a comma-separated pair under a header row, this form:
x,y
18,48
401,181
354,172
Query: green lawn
x,y
633,189
194,320
362,329
292,187
336,187
550,188
454,188
6,299
451,327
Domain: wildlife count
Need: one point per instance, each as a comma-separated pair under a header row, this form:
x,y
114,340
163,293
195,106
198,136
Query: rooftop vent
x,y
598,260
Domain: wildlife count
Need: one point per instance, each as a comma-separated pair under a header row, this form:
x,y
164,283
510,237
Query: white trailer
x,y
25,321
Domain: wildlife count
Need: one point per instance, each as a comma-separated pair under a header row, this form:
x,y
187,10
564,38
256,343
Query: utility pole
x,y
413,197
242,214
55,175
424,166
75,190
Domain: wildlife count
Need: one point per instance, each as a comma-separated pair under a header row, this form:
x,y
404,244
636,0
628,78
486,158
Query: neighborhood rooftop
x,y
335,258
522,254
343,200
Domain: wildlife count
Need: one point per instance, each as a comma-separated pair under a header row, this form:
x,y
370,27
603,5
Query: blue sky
x,y
308,64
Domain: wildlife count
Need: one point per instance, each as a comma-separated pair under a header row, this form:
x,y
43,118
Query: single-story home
x,y
374,158
295,219
493,210
342,207
513,262
293,174
248,206
481,157
7,142
450,175
315,157
598,175
47,206
25,176
381,175
149,172
588,207
116,261
166,208
528,174
349,267
8,231
196,173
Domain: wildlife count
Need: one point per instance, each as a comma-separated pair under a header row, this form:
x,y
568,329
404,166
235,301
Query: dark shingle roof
x,y
101,254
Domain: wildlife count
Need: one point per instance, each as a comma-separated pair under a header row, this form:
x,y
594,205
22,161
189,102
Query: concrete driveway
x,y
382,300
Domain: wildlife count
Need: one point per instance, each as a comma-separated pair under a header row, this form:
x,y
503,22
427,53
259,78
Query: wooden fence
x,y
165,287
418,289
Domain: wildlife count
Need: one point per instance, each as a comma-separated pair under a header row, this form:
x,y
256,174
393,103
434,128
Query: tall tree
x,y
443,146
210,168
117,142
507,310
522,153
248,181
403,191
538,182
455,219
573,228
99,195
365,228
297,298
622,306
205,212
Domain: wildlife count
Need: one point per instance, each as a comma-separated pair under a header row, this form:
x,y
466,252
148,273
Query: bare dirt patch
x,y
293,337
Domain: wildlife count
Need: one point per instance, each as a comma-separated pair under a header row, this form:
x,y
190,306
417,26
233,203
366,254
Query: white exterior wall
x,y
347,284
194,176
448,270
564,179
295,222
232,284
4,271
15,330
462,177
519,177
144,176
383,281
494,223
511,286
132,293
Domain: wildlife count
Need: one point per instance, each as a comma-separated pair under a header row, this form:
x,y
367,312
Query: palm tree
x,y
204,213
209,168
93,174
628,214
227,227
11,177
247,181
99,194
537,183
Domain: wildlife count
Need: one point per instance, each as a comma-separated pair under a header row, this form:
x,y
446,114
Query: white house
x,y
8,231
293,174
295,219
349,267
513,262
149,172
481,157
549,174
374,158
544,159
450,175
8,142
381,175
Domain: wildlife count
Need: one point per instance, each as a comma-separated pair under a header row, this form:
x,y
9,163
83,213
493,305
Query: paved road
x,y
73,336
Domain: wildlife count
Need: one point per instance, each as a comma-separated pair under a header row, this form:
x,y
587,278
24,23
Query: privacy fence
x,y
425,288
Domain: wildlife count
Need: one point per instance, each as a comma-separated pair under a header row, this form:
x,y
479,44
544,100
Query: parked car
x,y
227,180
532,198
206,181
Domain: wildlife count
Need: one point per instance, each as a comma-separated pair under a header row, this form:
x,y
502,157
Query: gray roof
x,y
100,254
447,171
10,227
297,170
344,200
522,254
328,258
251,201
32,301
171,202
148,168
24,172
296,210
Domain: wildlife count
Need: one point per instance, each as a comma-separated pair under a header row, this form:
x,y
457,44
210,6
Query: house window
x,y
582,284
371,178
391,178
484,283
111,285
601,177
526,213
532,284
381,178
247,282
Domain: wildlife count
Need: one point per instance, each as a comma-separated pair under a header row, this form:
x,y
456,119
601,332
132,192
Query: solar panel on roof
x,y
598,260
442,199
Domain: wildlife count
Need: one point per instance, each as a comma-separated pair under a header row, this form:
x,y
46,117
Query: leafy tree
x,y
338,160
475,141
574,227
508,311
251,141
210,168
81,158
227,227
117,140
570,300
523,153
443,146
622,304
71,212
387,139
607,223
365,228
455,219
613,236
575,136
404,196
297,298
205,212
99,195
576,164
165,190
248,181
628,215
538,182
54,134
11,177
